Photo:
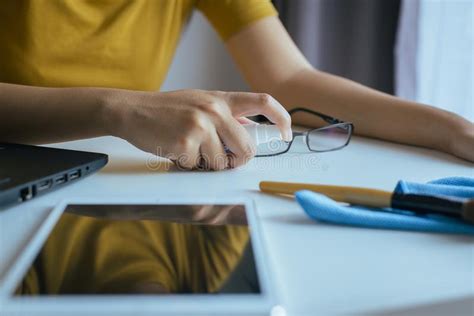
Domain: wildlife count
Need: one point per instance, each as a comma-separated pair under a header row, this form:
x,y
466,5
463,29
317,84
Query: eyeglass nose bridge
x,y
299,134
296,134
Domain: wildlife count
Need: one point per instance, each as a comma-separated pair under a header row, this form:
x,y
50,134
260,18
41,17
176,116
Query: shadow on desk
x,y
458,307
303,220
143,166
138,166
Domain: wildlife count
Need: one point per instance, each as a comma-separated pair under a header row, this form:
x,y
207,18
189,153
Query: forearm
x,y
374,114
44,115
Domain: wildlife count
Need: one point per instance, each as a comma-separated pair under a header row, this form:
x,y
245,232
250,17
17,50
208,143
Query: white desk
x,y
322,269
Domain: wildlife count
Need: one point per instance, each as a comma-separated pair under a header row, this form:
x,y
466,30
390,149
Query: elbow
x,y
285,87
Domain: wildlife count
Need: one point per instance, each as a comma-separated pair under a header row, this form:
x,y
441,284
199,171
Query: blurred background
x,y
420,50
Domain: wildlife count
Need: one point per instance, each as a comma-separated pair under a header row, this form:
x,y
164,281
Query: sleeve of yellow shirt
x,y
230,16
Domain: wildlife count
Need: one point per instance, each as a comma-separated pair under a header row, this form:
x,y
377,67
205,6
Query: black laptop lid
x,y
24,165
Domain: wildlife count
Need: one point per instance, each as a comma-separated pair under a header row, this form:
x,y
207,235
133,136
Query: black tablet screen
x,y
145,249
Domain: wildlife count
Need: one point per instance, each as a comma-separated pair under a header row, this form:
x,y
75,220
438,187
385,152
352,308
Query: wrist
x,y
462,144
455,128
111,108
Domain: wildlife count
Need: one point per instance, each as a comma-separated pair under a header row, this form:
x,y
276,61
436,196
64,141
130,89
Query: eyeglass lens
x,y
329,138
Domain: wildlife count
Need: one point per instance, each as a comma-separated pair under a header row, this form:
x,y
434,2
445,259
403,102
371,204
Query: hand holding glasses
x,y
332,135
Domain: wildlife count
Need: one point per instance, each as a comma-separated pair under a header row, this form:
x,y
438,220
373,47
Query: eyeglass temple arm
x,y
325,117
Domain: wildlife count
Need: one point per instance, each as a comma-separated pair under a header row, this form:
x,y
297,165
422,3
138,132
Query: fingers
x,y
243,120
198,145
204,151
248,104
237,140
220,215
215,118
206,213
189,156
213,155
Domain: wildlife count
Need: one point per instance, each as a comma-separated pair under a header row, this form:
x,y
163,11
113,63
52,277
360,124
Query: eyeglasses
x,y
330,137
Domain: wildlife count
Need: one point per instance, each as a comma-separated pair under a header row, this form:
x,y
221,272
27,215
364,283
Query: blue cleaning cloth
x,y
321,208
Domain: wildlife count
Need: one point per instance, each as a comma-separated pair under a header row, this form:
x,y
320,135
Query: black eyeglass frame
x,y
334,122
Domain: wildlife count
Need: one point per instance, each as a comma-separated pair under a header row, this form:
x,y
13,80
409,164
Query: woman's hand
x,y
190,127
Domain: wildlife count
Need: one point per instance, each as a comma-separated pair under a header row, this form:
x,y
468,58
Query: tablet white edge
x,y
195,304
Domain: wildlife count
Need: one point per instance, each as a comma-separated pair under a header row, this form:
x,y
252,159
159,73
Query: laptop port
x,y
75,174
44,185
61,179
26,194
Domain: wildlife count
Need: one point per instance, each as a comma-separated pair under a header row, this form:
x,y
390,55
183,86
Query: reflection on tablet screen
x,y
145,249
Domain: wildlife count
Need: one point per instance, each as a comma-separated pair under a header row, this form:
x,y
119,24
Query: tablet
x,y
160,257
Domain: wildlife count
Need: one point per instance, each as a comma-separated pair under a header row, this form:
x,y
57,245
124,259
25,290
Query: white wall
x,y
445,61
201,61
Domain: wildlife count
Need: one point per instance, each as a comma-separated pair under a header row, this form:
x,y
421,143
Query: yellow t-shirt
x,y
106,43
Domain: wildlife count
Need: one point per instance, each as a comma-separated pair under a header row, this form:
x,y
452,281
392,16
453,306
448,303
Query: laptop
x,y
27,171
